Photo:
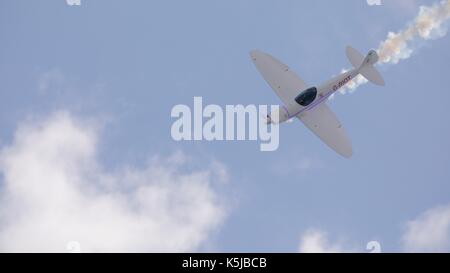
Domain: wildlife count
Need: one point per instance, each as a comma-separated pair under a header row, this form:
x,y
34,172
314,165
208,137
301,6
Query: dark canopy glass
x,y
306,97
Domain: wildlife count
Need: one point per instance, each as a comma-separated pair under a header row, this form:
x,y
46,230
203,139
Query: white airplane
x,y
308,103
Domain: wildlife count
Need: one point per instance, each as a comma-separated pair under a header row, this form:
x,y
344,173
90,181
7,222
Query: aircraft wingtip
x,y
347,152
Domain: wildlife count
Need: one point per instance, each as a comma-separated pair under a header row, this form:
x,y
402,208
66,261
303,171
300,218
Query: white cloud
x,y
73,2
429,232
316,241
374,2
55,192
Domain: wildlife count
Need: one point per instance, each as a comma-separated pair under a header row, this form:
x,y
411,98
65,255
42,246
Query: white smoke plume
x,y
429,24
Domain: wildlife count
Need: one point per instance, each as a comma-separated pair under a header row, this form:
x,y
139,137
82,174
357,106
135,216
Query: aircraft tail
x,y
365,64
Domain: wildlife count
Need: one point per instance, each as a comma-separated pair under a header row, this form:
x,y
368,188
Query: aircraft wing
x,y
324,123
283,81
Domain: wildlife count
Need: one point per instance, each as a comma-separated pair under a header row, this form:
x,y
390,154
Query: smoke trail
x,y
429,24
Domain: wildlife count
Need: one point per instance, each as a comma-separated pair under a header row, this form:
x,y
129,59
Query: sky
x,y
87,158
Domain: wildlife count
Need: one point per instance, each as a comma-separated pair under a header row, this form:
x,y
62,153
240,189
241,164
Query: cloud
x,y
316,241
51,79
430,23
429,232
295,164
73,2
55,191
374,2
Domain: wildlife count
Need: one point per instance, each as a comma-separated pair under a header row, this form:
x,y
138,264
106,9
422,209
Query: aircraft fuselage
x,y
324,91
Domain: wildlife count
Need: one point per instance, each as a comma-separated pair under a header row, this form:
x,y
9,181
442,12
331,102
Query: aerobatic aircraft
x,y
308,103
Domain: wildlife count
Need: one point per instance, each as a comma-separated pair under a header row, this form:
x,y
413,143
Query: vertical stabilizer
x,y
365,64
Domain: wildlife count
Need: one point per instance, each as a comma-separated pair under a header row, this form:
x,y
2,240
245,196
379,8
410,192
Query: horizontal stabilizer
x,y
353,55
371,73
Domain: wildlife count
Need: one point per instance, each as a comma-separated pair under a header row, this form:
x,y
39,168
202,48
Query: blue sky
x,y
127,63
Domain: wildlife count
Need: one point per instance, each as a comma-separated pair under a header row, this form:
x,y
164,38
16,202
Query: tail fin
x,y
365,64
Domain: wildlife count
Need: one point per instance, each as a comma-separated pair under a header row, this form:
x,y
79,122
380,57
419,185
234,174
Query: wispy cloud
x,y
51,79
294,164
56,191
73,2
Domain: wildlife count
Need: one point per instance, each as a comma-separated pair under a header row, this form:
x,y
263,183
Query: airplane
x,y
308,103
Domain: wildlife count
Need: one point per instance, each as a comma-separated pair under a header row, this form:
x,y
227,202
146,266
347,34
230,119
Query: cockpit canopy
x,y
306,97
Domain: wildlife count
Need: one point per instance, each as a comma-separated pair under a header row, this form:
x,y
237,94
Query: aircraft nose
x,y
254,53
